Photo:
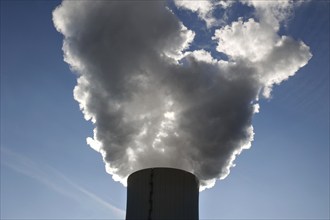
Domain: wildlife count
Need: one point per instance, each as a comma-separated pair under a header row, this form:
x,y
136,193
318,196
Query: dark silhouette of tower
x,y
162,193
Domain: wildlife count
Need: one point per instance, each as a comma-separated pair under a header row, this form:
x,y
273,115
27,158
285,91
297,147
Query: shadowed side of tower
x,y
162,193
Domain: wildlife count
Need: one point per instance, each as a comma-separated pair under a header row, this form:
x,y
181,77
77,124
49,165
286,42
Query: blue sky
x,y
49,172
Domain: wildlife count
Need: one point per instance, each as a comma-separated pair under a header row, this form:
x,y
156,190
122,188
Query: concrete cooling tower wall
x,y
162,193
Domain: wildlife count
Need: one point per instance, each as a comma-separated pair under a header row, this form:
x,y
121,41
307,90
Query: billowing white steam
x,y
156,104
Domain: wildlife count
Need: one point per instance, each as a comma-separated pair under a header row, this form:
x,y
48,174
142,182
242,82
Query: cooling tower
x,y
162,193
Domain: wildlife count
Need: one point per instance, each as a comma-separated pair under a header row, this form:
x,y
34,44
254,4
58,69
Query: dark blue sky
x,y
49,172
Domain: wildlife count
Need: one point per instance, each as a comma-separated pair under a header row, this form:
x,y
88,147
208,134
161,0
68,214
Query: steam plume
x,y
156,103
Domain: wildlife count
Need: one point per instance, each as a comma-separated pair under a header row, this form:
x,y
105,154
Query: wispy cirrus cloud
x,y
54,179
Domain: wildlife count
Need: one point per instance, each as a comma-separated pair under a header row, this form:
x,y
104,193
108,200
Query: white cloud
x,y
248,40
285,59
204,9
274,57
152,109
273,12
201,55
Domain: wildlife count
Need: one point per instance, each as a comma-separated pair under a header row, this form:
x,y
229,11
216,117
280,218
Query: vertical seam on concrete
x,y
151,192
